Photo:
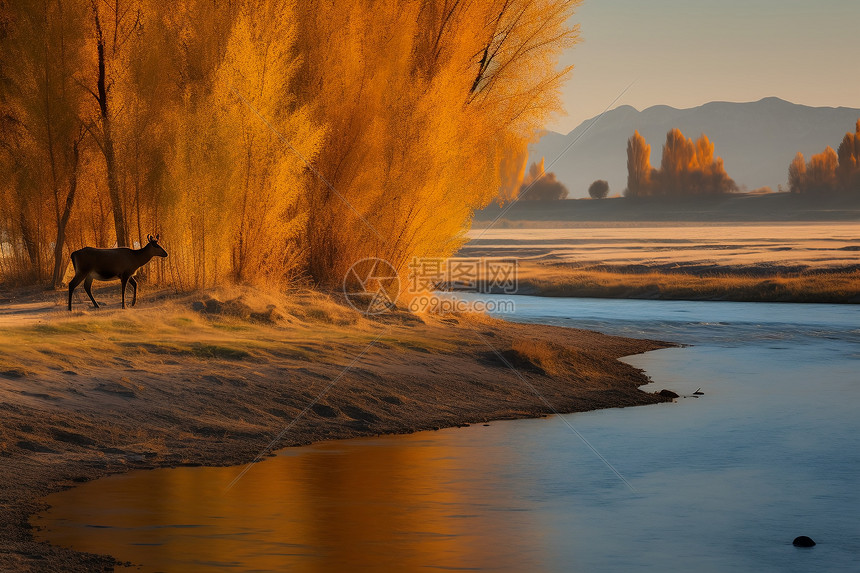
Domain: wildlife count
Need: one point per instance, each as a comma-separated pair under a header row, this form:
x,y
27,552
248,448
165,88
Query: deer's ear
x,y
157,235
149,238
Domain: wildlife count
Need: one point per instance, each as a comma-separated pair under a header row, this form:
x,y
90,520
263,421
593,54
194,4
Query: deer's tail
x,y
74,261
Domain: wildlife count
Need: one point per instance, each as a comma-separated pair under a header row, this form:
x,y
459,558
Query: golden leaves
x,y
686,168
363,128
828,171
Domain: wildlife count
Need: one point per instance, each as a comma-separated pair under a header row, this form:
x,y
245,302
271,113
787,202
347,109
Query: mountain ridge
x,y
757,140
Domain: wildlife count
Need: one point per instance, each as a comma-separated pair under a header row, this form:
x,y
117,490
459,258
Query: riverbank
x,y
215,379
679,282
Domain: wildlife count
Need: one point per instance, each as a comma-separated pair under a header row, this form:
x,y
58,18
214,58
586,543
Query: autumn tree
x,y
429,107
639,169
816,176
276,138
255,111
113,24
848,156
539,185
42,55
146,95
686,168
599,189
797,174
828,171
821,171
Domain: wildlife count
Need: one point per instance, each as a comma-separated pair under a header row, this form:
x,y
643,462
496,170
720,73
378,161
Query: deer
x,y
110,264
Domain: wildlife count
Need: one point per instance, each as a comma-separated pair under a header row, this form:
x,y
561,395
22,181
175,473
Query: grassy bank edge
x,y
821,286
586,364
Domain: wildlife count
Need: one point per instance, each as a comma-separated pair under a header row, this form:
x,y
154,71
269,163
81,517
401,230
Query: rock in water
x,y
803,541
668,394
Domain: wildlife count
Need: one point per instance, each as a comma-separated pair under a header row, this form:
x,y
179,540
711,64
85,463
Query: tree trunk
x,y
59,267
30,245
113,185
107,145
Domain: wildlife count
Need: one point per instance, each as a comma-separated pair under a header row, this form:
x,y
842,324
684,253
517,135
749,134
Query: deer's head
x,y
157,249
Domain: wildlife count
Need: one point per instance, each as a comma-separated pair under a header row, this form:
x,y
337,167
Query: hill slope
x,y
756,140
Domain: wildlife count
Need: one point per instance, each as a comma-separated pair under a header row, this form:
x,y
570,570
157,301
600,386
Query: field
x,y
799,262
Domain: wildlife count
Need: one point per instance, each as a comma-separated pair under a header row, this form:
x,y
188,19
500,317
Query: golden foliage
x,y
821,170
42,132
267,140
638,166
687,168
539,185
829,170
797,173
429,106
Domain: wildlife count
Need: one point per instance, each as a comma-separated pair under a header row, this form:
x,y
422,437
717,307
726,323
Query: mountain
x,y
756,140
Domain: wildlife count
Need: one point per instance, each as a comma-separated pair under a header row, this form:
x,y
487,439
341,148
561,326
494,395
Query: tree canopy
x,y
265,140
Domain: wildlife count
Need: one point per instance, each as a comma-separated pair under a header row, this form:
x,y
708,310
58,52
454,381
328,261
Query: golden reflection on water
x,y
397,503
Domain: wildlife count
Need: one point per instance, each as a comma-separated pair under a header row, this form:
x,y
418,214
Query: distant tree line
x,y
828,171
687,168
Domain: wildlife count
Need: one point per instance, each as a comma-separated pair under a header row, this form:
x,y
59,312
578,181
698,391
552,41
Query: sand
x,y
215,379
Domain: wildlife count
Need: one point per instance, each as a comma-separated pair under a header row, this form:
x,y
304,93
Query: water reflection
x,y
724,483
393,503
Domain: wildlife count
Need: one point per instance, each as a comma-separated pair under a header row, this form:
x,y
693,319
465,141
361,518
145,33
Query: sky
x,y
684,53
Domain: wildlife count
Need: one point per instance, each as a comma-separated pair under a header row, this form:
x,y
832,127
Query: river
x,y
719,482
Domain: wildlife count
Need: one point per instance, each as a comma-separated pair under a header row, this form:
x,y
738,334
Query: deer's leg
x,y
73,284
134,286
123,281
88,285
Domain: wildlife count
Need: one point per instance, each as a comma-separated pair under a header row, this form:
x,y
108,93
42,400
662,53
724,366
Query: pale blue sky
x,y
684,53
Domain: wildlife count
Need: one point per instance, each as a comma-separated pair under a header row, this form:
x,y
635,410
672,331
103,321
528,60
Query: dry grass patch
x,y
222,325
539,355
830,286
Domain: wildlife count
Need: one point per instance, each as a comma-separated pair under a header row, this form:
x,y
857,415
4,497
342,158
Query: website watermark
x,y
372,286
451,304
433,285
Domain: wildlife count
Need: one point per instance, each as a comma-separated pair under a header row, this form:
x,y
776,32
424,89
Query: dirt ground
x,y
215,379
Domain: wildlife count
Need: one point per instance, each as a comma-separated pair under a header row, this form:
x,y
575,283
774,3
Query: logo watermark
x,y
476,275
373,286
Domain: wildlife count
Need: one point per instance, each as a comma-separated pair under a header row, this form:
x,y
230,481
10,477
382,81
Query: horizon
x,y
644,109
736,51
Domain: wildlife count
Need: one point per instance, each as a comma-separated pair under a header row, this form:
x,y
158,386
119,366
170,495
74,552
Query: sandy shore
x,y
213,380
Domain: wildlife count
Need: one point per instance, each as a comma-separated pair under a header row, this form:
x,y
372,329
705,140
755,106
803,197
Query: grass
x,y
538,354
195,349
829,286
225,325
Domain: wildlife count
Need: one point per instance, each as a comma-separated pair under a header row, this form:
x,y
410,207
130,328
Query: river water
x,y
722,482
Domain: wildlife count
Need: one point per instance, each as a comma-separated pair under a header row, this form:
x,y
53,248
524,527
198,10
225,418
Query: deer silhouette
x,y
109,264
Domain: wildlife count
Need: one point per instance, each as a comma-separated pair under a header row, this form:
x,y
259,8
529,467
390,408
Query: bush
x,y
599,189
